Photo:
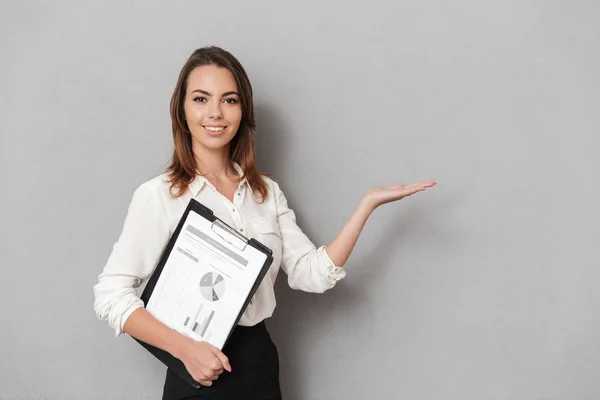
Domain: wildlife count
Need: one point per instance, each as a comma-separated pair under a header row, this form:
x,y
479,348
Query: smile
x,y
214,128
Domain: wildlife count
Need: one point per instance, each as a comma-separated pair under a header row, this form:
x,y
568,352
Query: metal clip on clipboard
x,y
229,234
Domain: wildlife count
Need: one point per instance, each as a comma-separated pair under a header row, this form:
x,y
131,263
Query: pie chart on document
x,y
212,286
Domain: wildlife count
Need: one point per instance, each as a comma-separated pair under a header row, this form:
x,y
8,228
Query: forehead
x,y
211,78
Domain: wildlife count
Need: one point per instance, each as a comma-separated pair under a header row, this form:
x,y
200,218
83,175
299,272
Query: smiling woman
x,y
213,92
212,117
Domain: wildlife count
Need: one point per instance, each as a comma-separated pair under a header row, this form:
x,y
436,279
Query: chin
x,y
214,143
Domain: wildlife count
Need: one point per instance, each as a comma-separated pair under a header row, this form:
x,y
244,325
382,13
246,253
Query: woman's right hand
x,y
203,361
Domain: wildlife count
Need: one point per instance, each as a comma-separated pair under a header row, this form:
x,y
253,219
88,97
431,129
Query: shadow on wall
x,y
270,137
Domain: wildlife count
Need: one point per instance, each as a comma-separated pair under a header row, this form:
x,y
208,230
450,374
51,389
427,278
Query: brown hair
x,y
183,169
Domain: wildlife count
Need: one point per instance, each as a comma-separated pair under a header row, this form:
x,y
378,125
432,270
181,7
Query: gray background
x,y
484,287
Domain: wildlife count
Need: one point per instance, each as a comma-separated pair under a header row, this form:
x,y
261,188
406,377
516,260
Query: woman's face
x,y
212,107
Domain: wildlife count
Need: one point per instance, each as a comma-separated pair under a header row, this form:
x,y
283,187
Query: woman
x,y
213,161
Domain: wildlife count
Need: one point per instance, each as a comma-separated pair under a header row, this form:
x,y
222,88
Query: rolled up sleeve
x,y
132,260
308,268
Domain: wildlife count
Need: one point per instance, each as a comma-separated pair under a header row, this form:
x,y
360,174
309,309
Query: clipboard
x,y
227,234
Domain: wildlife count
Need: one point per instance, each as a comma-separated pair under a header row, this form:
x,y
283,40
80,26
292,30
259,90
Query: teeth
x,y
214,128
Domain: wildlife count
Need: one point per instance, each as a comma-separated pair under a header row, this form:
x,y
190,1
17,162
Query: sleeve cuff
x,y
332,271
119,328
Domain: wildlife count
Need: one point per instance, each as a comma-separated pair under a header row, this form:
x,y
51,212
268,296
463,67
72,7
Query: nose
x,y
214,111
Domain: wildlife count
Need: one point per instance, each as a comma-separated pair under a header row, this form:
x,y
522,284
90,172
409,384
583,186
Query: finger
x,y
223,358
408,188
209,373
201,377
397,187
422,184
427,183
205,383
212,377
415,191
215,364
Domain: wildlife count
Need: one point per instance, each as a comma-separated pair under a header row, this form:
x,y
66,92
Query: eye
x,y
231,101
199,99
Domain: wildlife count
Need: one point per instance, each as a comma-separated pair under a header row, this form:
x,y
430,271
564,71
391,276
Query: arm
x,y
204,361
143,326
340,248
307,268
134,256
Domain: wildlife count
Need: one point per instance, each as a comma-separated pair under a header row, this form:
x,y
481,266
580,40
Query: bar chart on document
x,y
193,309
212,288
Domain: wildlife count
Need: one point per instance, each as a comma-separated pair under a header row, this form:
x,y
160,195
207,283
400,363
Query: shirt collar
x,y
199,181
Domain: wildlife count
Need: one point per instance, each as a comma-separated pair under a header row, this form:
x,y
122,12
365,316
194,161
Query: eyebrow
x,y
209,94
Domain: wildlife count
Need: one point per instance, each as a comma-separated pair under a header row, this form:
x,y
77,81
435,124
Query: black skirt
x,y
254,370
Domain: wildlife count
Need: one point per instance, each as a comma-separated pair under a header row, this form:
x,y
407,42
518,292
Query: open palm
x,y
380,195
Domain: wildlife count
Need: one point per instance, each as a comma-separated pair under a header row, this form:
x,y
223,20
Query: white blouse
x,y
153,216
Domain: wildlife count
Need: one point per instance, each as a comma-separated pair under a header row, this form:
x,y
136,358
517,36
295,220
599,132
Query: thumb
x,y
223,358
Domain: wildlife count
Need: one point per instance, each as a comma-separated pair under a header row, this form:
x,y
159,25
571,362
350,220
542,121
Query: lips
x,y
214,130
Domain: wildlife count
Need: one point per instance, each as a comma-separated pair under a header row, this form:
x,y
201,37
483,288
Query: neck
x,y
213,163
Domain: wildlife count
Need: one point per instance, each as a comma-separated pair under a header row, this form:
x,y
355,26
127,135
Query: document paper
x,y
204,282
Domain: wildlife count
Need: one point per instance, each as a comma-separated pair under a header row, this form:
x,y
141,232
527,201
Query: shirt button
x,y
239,194
242,230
